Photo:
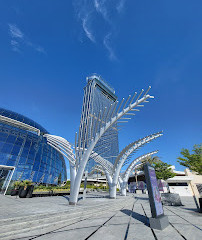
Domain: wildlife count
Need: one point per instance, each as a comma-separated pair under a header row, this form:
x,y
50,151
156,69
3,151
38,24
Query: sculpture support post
x,y
115,181
75,191
123,188
112,192
72,176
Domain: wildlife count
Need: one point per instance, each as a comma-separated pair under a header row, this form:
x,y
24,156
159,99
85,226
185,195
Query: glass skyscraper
x,y
98,97
26,152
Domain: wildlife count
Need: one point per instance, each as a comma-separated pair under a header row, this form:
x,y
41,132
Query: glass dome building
x,y
25,154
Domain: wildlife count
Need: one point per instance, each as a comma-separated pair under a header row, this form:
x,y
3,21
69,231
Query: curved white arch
x,y
134,162
62,146
133,165
97,168
65,148
121,161
108,166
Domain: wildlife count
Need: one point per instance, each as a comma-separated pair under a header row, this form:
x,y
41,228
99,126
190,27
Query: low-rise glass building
x,y
25,154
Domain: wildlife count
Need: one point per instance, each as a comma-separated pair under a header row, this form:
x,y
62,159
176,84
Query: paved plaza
x,y
96,217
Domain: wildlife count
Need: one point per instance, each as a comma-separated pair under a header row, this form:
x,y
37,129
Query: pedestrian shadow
x,y
141,218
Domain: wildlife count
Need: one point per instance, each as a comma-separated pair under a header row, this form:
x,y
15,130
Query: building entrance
x,y
6,173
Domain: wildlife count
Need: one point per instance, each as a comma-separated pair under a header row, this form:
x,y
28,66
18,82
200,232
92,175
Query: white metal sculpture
x,y
123,179
65,148
124,157
84,147
113,172
96,169
106,166
88,146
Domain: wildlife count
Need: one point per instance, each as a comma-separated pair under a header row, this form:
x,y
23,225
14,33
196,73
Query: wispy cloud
x,y
120,5
100,6
40,49
87,29
87,12
107,45
15,32
15,45
83,13
18,40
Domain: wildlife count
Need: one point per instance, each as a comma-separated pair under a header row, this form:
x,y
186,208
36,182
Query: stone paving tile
x,y
138,215
12,207
81,233
184,220
115,228
176,219
110,232
82,229
167,234
189,232
139,232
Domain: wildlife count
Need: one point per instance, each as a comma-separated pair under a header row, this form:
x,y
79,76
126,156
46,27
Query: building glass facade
x,y
29,153
98,97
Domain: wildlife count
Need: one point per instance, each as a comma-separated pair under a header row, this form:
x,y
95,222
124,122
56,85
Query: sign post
x,y
158,220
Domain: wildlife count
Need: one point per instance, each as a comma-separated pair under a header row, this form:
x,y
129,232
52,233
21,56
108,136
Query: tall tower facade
x,y
98,104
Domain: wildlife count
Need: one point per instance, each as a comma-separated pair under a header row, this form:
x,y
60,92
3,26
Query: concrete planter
x,y
171,199
26,192
30,191
23,192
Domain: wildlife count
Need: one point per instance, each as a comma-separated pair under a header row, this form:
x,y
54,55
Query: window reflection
x,y
30,154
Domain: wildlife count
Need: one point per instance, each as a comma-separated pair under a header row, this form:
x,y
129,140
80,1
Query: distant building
x,y
25,154
98,96
185,183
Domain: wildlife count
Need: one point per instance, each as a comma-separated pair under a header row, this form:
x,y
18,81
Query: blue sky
x,y
47,48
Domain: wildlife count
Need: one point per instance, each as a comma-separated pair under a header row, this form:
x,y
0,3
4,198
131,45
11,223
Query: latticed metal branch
x,y
91,126
132,147
97,168
62,146
108,166
127,172
125,176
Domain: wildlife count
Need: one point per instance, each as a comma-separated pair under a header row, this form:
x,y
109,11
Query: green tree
x,y
192,161
163,170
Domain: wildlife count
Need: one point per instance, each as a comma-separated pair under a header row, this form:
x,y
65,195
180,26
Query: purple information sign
x,y
155,191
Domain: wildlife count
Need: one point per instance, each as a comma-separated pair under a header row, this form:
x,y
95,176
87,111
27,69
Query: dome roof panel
x,y
21,118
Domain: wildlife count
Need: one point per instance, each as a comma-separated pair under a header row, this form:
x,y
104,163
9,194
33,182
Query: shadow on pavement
x,y
137,216
142,198
67,198
192,209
